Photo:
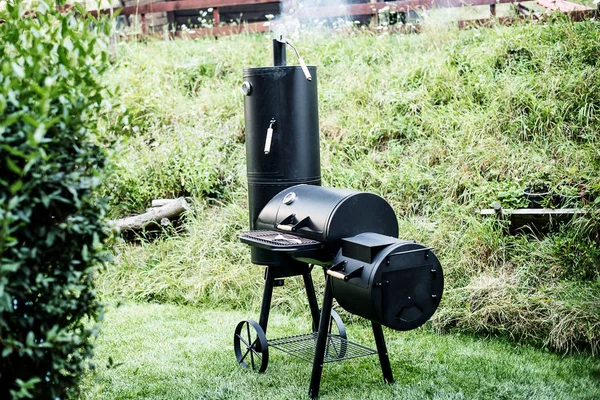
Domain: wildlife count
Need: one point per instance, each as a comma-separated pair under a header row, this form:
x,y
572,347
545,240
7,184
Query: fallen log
x,y
162,202
156,215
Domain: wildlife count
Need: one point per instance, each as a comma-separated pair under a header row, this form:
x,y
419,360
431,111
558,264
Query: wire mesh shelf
x,y
303,347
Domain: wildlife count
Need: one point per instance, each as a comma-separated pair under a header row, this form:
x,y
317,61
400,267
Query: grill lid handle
x,y
291,224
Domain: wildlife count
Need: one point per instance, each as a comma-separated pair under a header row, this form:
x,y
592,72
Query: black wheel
x,y
336,340
250,345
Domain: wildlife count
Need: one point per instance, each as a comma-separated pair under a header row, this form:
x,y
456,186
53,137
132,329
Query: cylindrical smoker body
x,y
282,136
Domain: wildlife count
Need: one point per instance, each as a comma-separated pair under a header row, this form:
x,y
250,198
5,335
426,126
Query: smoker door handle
x,y
343,276
336,275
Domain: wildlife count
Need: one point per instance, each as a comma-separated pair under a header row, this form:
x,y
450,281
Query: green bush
x,y
51,223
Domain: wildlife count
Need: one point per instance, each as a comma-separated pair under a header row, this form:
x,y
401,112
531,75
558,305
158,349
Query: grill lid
x,y
327,215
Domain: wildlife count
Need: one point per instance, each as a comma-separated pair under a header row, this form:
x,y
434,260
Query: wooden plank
x,y
226,30
538,218
169,6
216,17
466,3
536,212
561,5
573,15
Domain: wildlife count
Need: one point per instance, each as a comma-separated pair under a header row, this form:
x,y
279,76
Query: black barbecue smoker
x,y
296,224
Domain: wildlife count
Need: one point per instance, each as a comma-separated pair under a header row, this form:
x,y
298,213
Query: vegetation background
x,y
441,124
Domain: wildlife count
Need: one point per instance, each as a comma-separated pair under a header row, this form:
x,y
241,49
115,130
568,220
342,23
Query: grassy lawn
x,y
441,125
181,352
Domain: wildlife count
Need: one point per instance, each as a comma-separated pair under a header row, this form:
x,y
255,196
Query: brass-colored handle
x,y
335,274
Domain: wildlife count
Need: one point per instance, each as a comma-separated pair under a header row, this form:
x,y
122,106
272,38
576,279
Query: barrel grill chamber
x,y
295,224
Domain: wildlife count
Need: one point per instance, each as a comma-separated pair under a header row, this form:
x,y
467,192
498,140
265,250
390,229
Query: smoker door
x,y
412,289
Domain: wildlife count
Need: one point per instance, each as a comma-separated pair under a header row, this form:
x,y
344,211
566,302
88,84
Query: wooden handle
x,y
337,275
287,228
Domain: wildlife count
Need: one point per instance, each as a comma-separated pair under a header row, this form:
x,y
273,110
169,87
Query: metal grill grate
x,y
303,347
274,239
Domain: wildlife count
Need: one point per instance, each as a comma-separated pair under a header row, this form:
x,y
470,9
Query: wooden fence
x,y
166,12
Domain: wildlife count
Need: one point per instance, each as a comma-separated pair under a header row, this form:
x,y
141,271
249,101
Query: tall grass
x,y
441,124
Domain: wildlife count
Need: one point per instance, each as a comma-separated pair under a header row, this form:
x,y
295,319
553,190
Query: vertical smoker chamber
x,y
283,99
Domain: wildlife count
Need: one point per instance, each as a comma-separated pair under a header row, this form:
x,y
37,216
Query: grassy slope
x,y
182,352
440,124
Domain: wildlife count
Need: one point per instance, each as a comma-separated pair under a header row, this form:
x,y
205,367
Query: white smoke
x,y
297,15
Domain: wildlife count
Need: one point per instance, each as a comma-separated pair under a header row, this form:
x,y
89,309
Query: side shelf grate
x,y
274,240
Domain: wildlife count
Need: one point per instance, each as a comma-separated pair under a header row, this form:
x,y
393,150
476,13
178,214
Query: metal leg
x,y
384,360
312,299
267,296
317,371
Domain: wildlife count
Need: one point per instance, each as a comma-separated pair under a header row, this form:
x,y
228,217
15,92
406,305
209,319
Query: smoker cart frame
x,y
323,344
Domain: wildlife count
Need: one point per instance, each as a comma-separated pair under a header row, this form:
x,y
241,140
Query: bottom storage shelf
x,y
303,347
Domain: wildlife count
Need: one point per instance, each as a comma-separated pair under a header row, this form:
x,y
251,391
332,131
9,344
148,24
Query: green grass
x,y
183,352
440,124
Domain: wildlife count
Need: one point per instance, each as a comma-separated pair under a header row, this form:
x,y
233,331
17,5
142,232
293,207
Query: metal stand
x,y
317,371
326,343
312,299
265,307
270,276
321,347
384,360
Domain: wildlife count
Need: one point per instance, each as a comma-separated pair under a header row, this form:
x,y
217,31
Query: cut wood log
x,y
162,202
156,215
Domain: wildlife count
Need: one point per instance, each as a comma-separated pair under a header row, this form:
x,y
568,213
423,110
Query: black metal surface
x,y
282,94
384,359
321,345
328,215
401,288
313,305
365,248
265,306
296,223
279,56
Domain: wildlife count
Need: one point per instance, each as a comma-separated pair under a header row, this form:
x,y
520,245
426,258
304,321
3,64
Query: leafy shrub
x,y
51,224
